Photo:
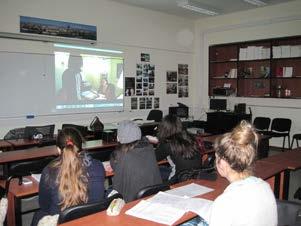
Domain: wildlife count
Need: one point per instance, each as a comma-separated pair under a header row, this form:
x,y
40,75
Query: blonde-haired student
x,y
73,178
248,200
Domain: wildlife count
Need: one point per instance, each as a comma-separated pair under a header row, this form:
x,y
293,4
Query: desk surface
x,y
290,158
39,152
4,144
122,219
264,169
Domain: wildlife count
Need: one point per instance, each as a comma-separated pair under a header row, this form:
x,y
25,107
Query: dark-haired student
x,y
72,179
175,144
248,200
134,162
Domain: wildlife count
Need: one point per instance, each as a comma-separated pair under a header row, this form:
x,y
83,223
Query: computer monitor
x,y
45,132
181,111
218,104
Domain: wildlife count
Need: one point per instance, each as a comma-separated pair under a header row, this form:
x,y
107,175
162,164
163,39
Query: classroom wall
x,y
262,23
168,39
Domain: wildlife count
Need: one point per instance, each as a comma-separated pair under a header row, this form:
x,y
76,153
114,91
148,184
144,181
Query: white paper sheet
x,y
190,190
37,177
156,212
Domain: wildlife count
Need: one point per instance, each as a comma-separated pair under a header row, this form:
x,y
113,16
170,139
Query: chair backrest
x,y
14,134
78,211
151,190
82,129
281,125
289,213
155,114
206,173
262,123
26,168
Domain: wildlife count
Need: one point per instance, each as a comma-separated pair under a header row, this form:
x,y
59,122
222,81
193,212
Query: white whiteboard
x,y
26,84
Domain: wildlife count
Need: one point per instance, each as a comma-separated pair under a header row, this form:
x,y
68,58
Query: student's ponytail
x,y
71,179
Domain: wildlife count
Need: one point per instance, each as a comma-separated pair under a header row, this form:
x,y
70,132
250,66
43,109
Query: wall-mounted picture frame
x,y
39,26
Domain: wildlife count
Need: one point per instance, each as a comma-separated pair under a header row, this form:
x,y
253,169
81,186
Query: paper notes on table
x,y
190,190
175,204
37,177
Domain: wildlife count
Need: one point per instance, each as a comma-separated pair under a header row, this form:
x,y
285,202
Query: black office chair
x,y
14,134
289,213
151,190
82,129
280,127
296,137
79,211
155,115
262,124
20,170
207,172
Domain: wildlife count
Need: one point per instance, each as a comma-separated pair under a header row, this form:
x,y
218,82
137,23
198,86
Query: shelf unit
x,y
260,68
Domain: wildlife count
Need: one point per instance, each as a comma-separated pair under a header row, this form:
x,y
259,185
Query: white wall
x,y
262,23
168,39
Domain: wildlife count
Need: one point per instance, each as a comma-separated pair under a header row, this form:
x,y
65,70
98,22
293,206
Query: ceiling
x,y
220,6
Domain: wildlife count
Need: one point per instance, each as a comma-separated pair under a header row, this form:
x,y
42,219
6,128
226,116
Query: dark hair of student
x,y
71,176
239,148
127,147
171,131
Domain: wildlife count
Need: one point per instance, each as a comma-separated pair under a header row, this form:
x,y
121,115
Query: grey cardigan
x,y
135,169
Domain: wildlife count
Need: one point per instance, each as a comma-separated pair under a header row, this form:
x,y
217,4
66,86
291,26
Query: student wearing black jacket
x,y
175,144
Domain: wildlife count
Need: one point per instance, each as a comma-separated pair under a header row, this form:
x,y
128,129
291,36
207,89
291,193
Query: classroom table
x,y
291,159
218,185
4,145
40,152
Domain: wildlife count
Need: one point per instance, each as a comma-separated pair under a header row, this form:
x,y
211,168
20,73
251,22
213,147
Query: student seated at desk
x,y
134,162
73,178
248,200
175,144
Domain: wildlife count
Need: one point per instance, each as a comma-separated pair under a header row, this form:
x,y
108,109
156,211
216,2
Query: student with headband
x,y
73,178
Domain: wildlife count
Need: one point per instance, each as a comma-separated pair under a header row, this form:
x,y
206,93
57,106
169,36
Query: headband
x,y
69,142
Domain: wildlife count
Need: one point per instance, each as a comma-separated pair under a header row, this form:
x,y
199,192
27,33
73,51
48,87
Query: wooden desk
x,y
218,185
40,152
291,160
4,145
23,143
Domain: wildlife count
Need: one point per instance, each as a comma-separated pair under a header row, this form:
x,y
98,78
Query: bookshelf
x,y
259,68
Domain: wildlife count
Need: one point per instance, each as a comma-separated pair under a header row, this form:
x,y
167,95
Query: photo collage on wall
x,y
183,80
145,85
171,82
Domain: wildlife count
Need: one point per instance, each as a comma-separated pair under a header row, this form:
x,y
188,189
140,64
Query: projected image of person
x,y
72,81
106,89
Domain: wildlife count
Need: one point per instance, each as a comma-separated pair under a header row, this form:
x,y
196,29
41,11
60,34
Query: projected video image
x,y
88,81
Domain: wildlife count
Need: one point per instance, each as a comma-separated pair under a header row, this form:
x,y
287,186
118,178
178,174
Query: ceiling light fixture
x,y
256,2
195,6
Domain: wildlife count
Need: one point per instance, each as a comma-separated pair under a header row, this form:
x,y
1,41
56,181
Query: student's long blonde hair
x,y
72,179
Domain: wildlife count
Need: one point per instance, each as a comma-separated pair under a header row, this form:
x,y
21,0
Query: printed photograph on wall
x,y
129,89
138,92
183,69
134,103
171,88
156,102
149,102
183,80
183,91
142,103
47,27
145,57
171,76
